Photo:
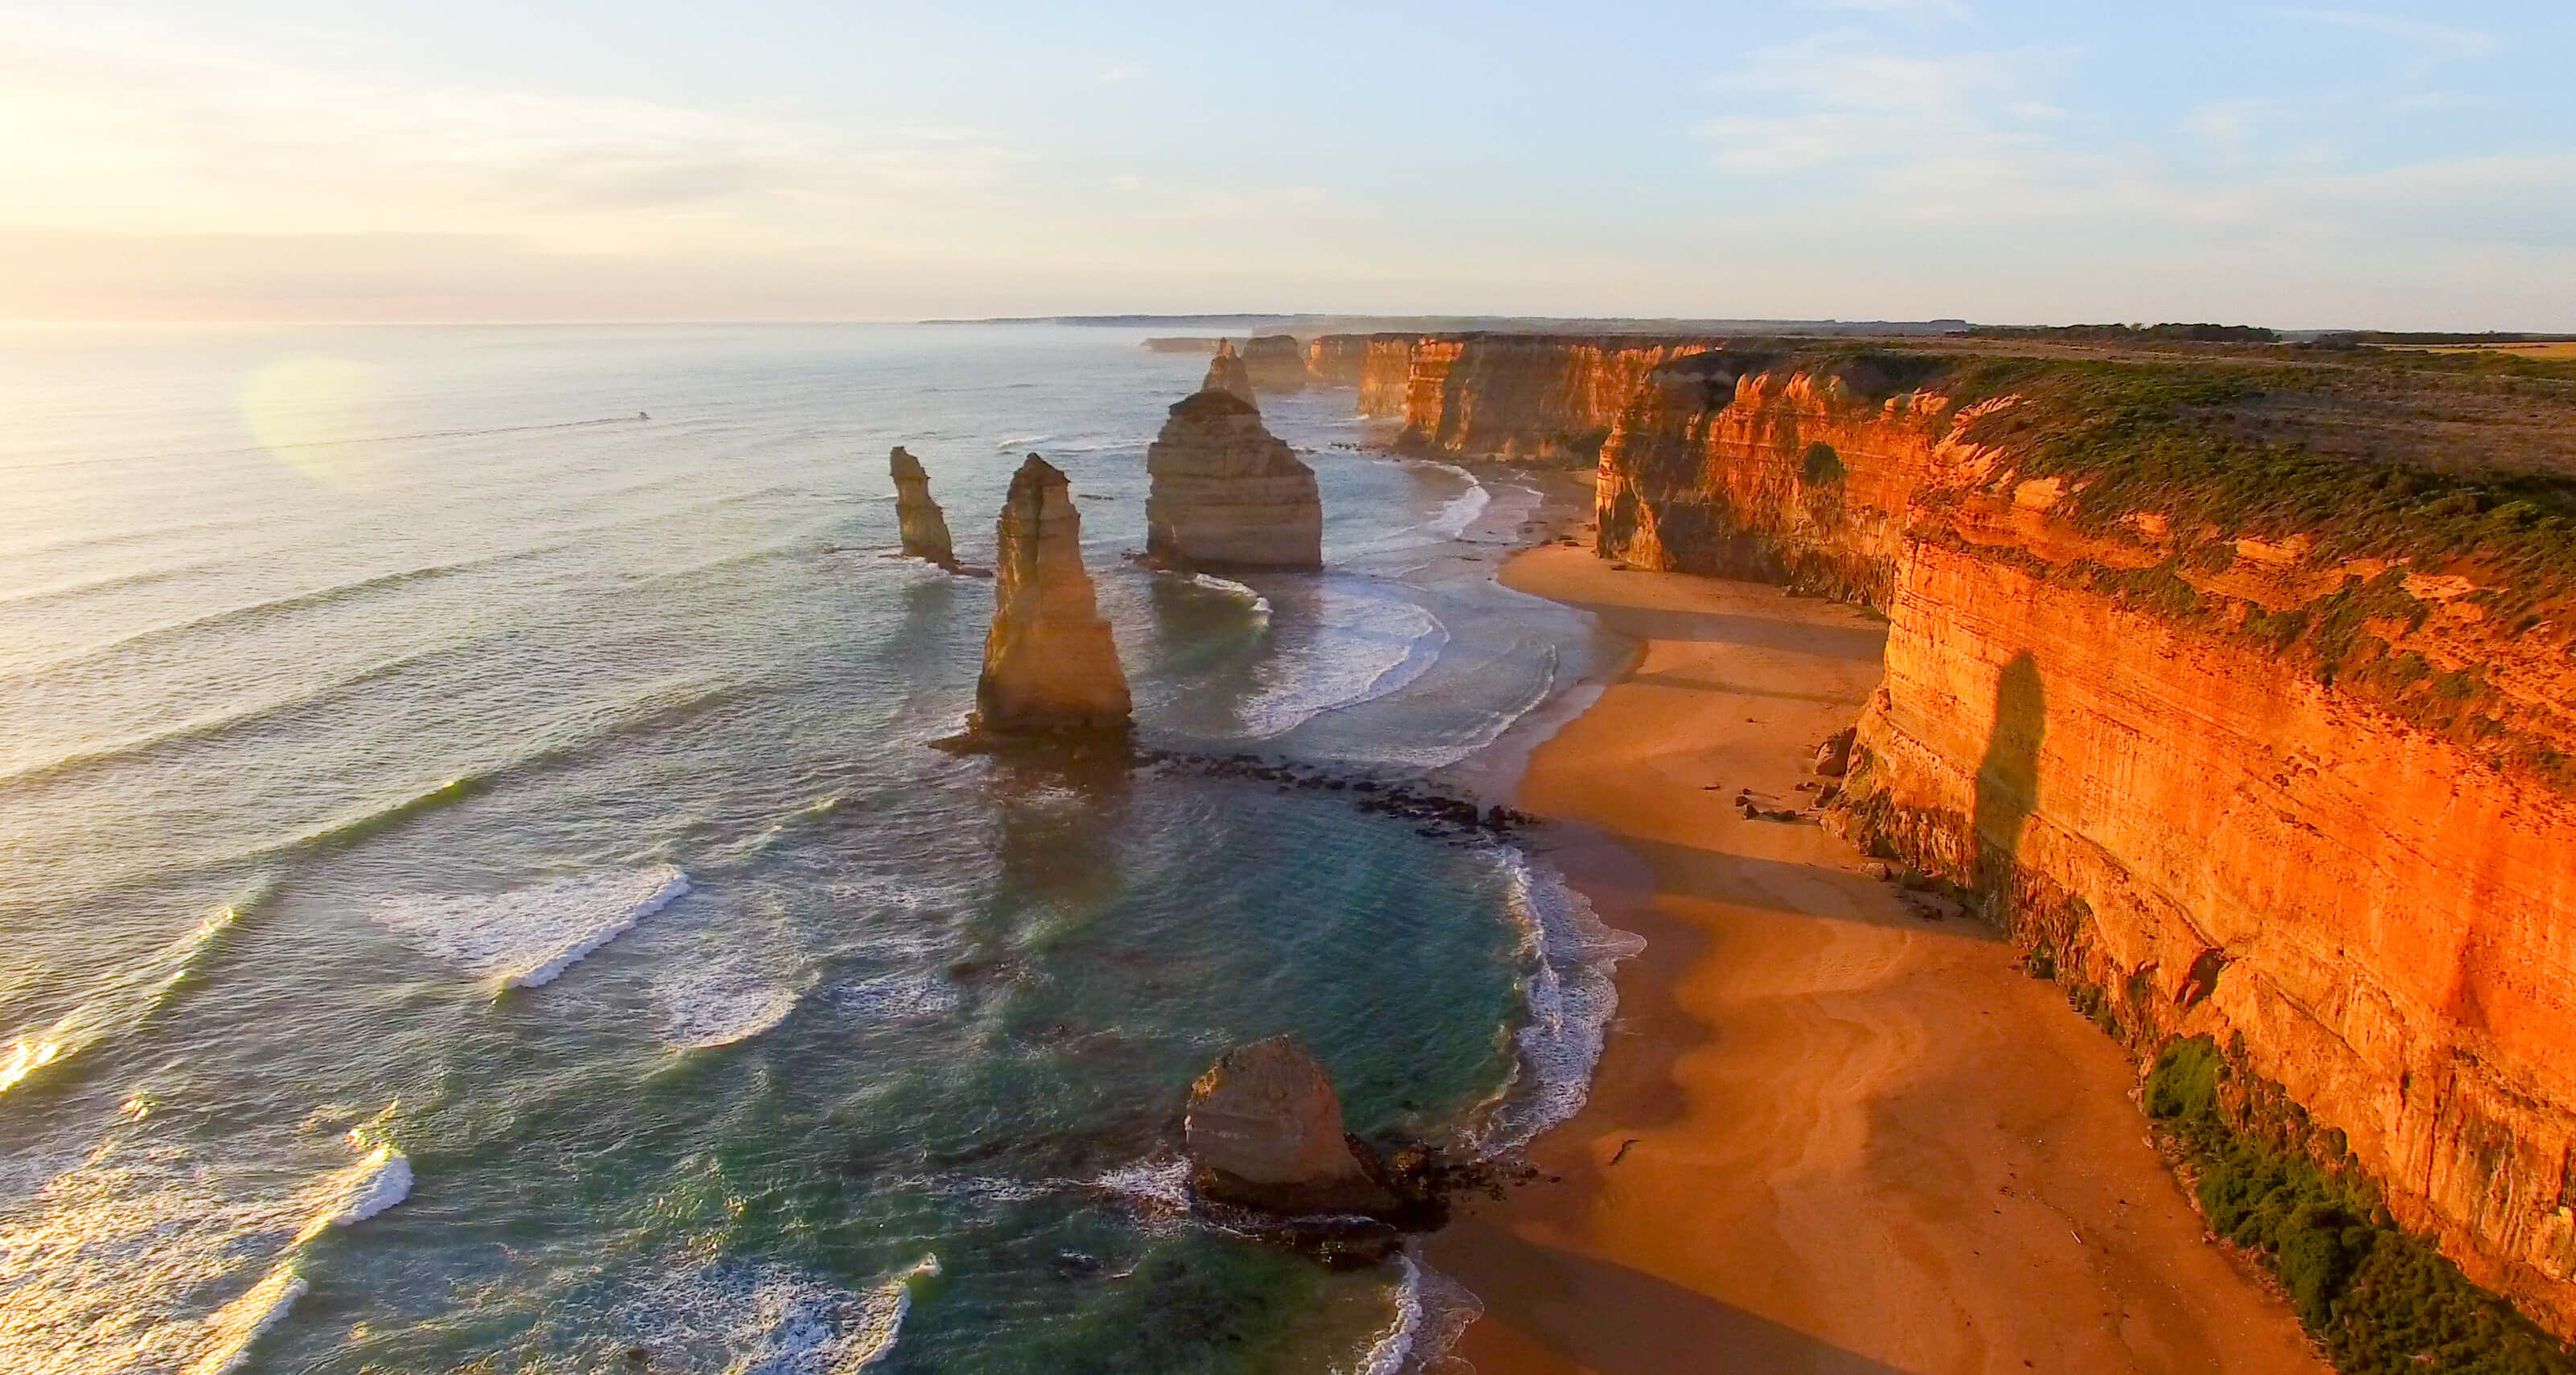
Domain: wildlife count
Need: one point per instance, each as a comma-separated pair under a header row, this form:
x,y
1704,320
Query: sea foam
x,y
1365,645
1459,511
528,936
1431,1311
1570,998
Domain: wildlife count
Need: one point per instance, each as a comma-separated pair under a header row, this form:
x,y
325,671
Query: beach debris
x,y
1264,1131
924,527
1050,666
1833,757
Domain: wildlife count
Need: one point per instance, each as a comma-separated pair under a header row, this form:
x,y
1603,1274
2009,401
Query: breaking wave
x,y
1569,996
1431,1312
526,937
128,999
771,1321
1228,587
1461,510
1366,644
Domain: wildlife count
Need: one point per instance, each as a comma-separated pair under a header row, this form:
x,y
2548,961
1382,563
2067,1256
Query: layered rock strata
x,y
1277,363
1226,493
1532,398
1264,1131
1336,360
2217,779
1050,665
921,524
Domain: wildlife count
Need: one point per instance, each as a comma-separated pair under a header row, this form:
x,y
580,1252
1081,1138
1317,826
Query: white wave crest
x,y
382,1180
1460,511
1570,997
1365,645
881,1315
1431,1311
1260,604
127,997
899,997
237,1327
528,936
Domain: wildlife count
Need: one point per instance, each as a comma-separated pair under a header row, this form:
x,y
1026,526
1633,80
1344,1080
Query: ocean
x,y
476,892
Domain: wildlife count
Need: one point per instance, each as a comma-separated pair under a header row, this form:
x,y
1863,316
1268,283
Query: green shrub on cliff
x,y
1822,465
2382,1302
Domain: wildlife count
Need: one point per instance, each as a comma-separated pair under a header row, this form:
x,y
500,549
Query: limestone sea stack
x,y
1226,374
1226,493
1277,363
1050,666
1264,1131
923,526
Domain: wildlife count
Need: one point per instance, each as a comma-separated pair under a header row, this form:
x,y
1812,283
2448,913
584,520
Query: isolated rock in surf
x,y
923,525
1228,494
1276,362
1050,666
1226,374
1264,1131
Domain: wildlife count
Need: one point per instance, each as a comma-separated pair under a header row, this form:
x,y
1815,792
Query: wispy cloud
x,y
1842,122
2464,42
1954,10
128,128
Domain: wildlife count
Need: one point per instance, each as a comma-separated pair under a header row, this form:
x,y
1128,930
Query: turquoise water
x,y
477,895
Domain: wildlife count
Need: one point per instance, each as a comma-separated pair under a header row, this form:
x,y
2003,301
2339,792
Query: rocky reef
x,y
1226,493
1264,1131
2235,687
923,527
1277,363
1050,665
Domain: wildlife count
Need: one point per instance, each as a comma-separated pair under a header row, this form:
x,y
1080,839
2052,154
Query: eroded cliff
x,y
1050,665
2238,693
1543,399
1226,493
919,522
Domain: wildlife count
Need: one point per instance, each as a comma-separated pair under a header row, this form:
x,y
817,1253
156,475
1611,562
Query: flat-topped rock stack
x,y
923,526
1050,665
1277,363
1227,493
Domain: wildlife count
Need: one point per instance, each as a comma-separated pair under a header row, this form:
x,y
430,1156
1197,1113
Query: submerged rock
x,y
1226,374
1264,1131
1228,494
1277,363
1050,666
923,525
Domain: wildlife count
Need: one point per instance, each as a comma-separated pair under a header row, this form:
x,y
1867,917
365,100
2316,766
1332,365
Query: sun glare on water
x,y
311,413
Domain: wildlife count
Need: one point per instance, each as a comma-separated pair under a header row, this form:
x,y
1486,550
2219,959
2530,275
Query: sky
x,y
2355,164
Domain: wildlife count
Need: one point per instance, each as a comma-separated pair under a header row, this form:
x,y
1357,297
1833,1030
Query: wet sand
x,y
1829,1134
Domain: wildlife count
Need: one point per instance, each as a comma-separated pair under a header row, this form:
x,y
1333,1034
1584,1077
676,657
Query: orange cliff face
x,y
2350,871
1534,398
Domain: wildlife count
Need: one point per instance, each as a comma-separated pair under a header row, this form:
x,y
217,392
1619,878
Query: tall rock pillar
x,y
1050,666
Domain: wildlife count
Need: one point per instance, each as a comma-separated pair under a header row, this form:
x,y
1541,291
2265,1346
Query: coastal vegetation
x,y
2379,1300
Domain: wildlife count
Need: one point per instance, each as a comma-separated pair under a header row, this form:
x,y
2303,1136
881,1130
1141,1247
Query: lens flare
x,y
315,414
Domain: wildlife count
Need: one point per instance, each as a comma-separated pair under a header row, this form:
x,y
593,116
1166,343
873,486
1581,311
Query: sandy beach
x,y
1829,1133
